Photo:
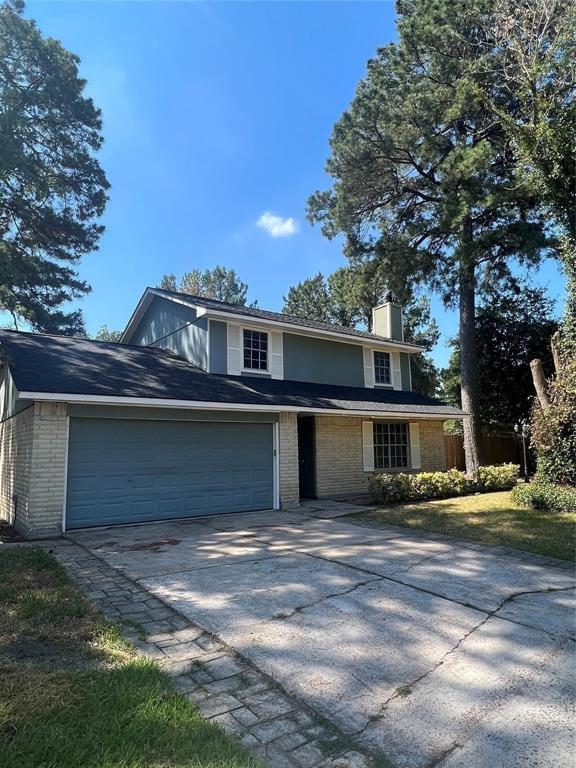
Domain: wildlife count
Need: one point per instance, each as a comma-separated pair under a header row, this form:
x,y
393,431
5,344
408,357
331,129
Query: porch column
x,y
288,452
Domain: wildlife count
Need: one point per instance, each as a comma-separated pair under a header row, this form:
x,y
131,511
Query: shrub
x,y
392,488
546,497
389,489
500,477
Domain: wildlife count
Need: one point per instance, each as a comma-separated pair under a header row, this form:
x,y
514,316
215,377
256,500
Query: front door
x,y
307,456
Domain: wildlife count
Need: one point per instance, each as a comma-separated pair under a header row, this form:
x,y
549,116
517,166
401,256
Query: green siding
x,y
218,347
322,362
170,325
396,322
164,414
405,371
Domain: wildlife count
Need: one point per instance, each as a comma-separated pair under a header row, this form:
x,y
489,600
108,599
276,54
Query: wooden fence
x,y
495,450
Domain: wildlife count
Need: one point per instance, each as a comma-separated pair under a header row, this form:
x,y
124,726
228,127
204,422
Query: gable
x,y
162,317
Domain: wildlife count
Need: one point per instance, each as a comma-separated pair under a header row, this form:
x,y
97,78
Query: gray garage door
x,y
128,471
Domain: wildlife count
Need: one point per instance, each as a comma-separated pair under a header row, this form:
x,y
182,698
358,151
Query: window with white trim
x,y
382,372
255,350
391,449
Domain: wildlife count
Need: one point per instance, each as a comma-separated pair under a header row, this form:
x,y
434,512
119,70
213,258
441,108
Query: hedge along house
x,y
205,408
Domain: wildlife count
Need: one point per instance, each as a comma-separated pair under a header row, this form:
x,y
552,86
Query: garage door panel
x,y
122,471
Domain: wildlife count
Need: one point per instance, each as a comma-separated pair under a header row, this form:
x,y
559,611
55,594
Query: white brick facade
x,y
33,459
339,466
16,437
33,469
289,479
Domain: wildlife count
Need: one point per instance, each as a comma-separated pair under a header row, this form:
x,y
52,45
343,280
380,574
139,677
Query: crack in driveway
x,y
285,615
391,577
399,692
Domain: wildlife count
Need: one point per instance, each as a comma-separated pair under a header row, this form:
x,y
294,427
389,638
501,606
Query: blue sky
x,y
216,113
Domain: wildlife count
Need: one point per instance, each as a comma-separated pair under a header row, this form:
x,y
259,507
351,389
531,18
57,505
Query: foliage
x,y
310,299
425,179
52,189
536,43
501,477
389,488
545,496
554,428
219,283
105,334
511,330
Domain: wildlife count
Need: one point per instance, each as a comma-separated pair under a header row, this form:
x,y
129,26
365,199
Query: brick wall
x,y
33,469
339,456
16,436
339,467
432,446
289,483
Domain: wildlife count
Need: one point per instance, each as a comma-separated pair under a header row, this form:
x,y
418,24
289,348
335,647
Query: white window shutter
x,y
234,350
368,367
396,373
276,355
368,446
415,461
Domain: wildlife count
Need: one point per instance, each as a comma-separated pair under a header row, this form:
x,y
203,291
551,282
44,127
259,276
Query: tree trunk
x,y
540,384
468,366
555,345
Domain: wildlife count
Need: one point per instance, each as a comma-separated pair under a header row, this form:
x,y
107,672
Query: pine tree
x,y
425,181
52,189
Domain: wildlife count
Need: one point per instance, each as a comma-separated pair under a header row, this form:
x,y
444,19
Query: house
x,y
205,408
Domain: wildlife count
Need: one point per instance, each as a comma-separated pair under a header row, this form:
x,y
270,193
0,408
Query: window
x,y
382,368
256,350
390,446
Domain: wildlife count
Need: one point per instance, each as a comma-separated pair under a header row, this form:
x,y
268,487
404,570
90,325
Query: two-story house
x,y
206,408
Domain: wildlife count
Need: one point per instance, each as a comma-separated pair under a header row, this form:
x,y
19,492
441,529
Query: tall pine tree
x,y
52,188
424,177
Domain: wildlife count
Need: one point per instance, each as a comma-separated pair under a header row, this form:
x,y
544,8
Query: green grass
x,y
493,518
90,701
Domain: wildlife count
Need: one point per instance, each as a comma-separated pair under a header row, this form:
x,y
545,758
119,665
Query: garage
x,y
123,471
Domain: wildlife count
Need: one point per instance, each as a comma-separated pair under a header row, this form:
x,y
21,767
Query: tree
x,y
52,189
536,40
347,297
510,330
219,283
554,418
421,328
105,334
425,180
309,299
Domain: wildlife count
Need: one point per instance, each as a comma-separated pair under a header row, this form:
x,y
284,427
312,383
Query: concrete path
x,y
431,650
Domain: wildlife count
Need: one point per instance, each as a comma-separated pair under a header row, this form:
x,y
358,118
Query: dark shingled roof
x,y
279,317
72,366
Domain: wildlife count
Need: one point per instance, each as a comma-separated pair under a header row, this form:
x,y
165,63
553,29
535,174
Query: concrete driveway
x,y
432,650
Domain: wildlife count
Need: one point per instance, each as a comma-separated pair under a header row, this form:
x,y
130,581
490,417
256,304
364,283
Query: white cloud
x,y
276,226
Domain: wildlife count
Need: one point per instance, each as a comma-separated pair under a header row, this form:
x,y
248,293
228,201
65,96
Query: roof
x,y
226,307
64,365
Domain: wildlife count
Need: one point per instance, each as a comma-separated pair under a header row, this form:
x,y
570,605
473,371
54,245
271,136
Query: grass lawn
x,y
493,518
73,693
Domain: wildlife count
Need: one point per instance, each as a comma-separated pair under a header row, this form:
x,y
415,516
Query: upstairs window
x,y
382,368
255,350
390,446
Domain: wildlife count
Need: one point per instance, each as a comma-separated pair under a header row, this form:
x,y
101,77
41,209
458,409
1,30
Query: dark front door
x,y
307,456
